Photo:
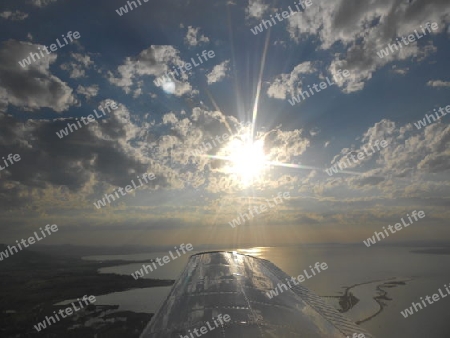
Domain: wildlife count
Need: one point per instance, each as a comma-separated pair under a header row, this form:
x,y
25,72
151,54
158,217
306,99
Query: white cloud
x,y
409,152
256,9
34,86
14,16
153,61
438,83
89,92
218,73
401,71
41,3
193,38
363,29
291,83
77,68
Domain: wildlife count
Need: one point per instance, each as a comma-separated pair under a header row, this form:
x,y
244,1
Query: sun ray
x,y
258,87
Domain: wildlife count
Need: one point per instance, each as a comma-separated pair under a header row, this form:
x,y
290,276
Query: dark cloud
x,y
31,87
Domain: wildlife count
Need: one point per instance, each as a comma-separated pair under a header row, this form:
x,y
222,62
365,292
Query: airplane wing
x,y
233,286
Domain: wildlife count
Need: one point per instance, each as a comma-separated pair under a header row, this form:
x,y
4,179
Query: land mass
x,y
433,251
32,282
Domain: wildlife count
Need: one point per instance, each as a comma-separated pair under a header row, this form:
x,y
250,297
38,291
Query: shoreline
x,y
33,282
348,300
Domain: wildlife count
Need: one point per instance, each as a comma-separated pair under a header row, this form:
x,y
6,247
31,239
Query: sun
x,y
246,159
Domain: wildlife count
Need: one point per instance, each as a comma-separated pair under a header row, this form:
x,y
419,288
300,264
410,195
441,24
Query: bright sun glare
x,y
247,159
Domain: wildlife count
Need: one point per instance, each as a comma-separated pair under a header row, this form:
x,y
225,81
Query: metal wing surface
x,y
228,283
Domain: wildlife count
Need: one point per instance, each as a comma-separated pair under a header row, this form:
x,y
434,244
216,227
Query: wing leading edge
x,y
218,285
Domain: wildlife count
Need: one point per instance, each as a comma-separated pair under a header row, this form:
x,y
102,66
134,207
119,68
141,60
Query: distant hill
x,y
23,258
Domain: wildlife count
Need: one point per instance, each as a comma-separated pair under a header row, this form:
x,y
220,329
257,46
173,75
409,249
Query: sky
x,y
174,126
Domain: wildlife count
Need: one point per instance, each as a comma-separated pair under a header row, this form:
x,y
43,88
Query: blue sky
x,y
117,58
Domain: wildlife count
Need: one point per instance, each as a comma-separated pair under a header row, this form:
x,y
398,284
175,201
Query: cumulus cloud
x,y
193,38
400,71
256,9
89,91
218,73
87,161
411,154
408,148
14,16
78,67
365,29
31,87
41,3
290,84
438,83
110,152
154,61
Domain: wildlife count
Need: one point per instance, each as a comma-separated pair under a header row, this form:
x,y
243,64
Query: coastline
x,y
33,282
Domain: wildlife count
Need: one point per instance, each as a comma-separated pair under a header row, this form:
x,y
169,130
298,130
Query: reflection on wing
x,y
220,283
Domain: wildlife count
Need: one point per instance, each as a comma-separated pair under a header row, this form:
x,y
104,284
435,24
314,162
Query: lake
x,y
415,275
